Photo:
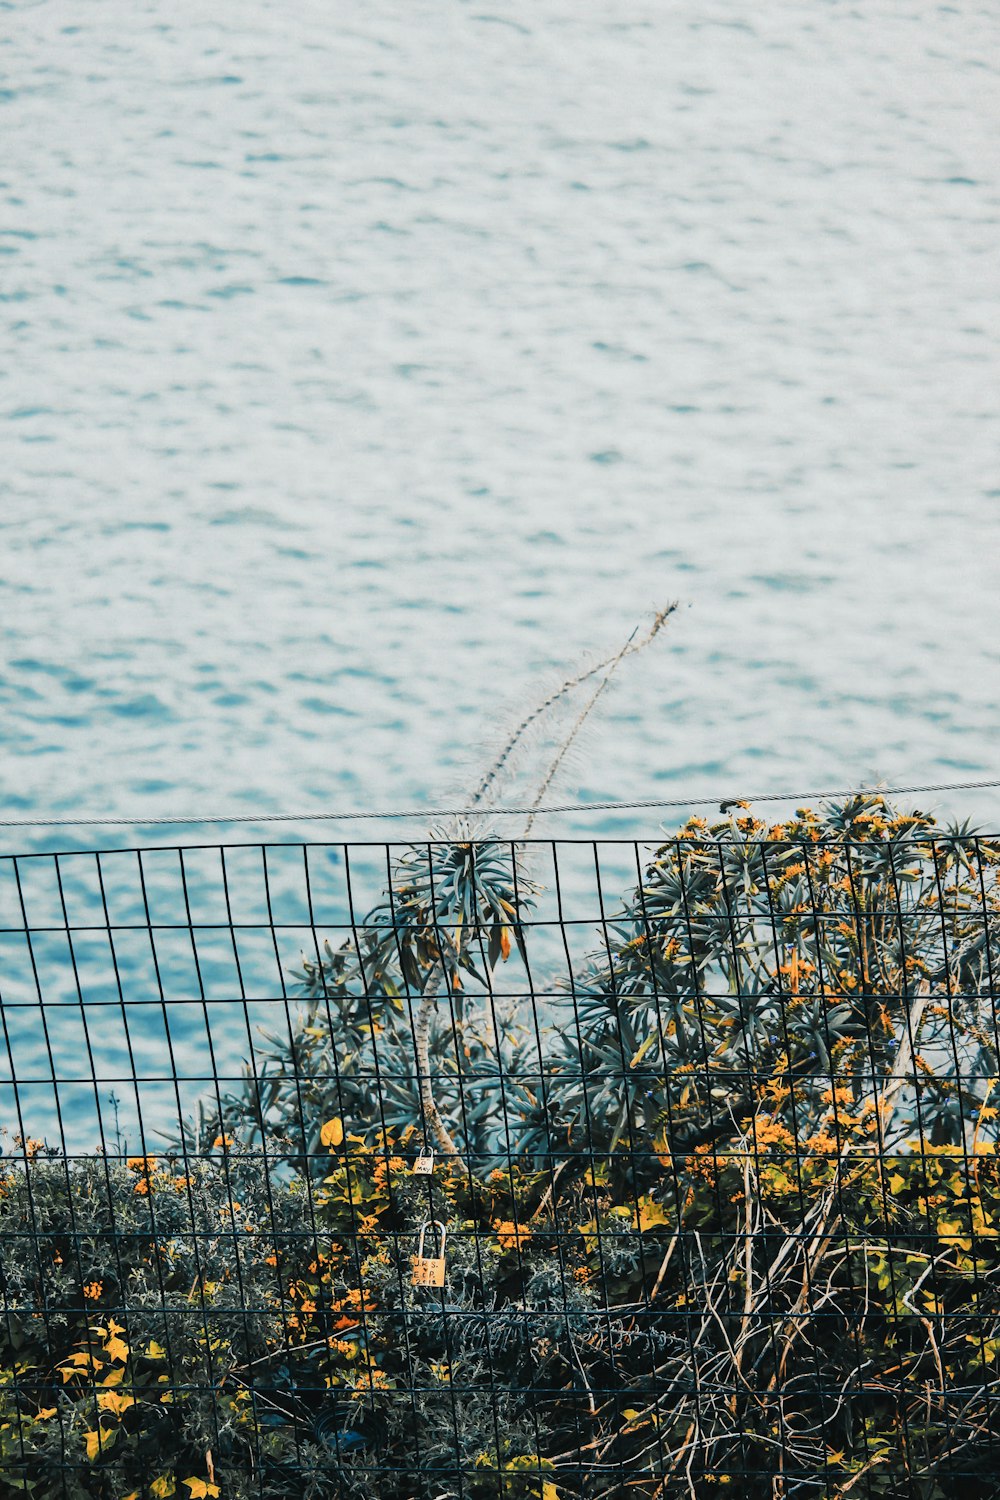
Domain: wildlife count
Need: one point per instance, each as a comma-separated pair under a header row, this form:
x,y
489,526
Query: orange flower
x,y
823,1143
93,1290
510,1235
142,1164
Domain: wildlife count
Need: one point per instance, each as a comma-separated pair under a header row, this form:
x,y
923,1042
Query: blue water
x,y
366,364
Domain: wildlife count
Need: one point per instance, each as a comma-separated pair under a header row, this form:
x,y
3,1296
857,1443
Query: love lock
x,y
424,1164
428,1270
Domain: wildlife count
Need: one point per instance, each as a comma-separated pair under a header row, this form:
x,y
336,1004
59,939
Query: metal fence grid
x,y
481,1168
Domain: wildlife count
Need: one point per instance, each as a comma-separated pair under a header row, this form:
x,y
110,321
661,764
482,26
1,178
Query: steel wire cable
x,y
702,799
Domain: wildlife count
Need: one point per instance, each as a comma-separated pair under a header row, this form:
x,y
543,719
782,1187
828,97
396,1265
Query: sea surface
x,y
366,367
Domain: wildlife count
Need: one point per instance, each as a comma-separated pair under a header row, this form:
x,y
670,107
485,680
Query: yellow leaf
x,y
115,1401
116,1348
331,1135
950,1232
549,1490
650,1214
641,1052
97,1441
77,1363
49,1411
155,1350
505,943
200,1489
114,1327
163,1487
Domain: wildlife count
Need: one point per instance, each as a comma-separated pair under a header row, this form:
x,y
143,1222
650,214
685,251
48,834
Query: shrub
x,y
735,1222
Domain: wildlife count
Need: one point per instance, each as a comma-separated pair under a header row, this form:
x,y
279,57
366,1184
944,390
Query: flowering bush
x,y
736,1224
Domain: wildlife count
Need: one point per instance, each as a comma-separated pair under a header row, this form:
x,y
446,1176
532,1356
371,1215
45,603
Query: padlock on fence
x,y
428,1270
424,1164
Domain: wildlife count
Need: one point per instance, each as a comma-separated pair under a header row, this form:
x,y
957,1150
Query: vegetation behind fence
x,y
476,1168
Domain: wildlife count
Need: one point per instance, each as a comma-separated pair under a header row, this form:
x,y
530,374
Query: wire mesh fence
x,y
481,1168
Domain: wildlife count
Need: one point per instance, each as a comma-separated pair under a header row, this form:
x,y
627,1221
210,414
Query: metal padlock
x,y
428,1270
424,1164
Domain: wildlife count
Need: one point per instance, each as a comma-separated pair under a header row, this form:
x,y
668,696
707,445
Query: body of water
x,y
366,365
